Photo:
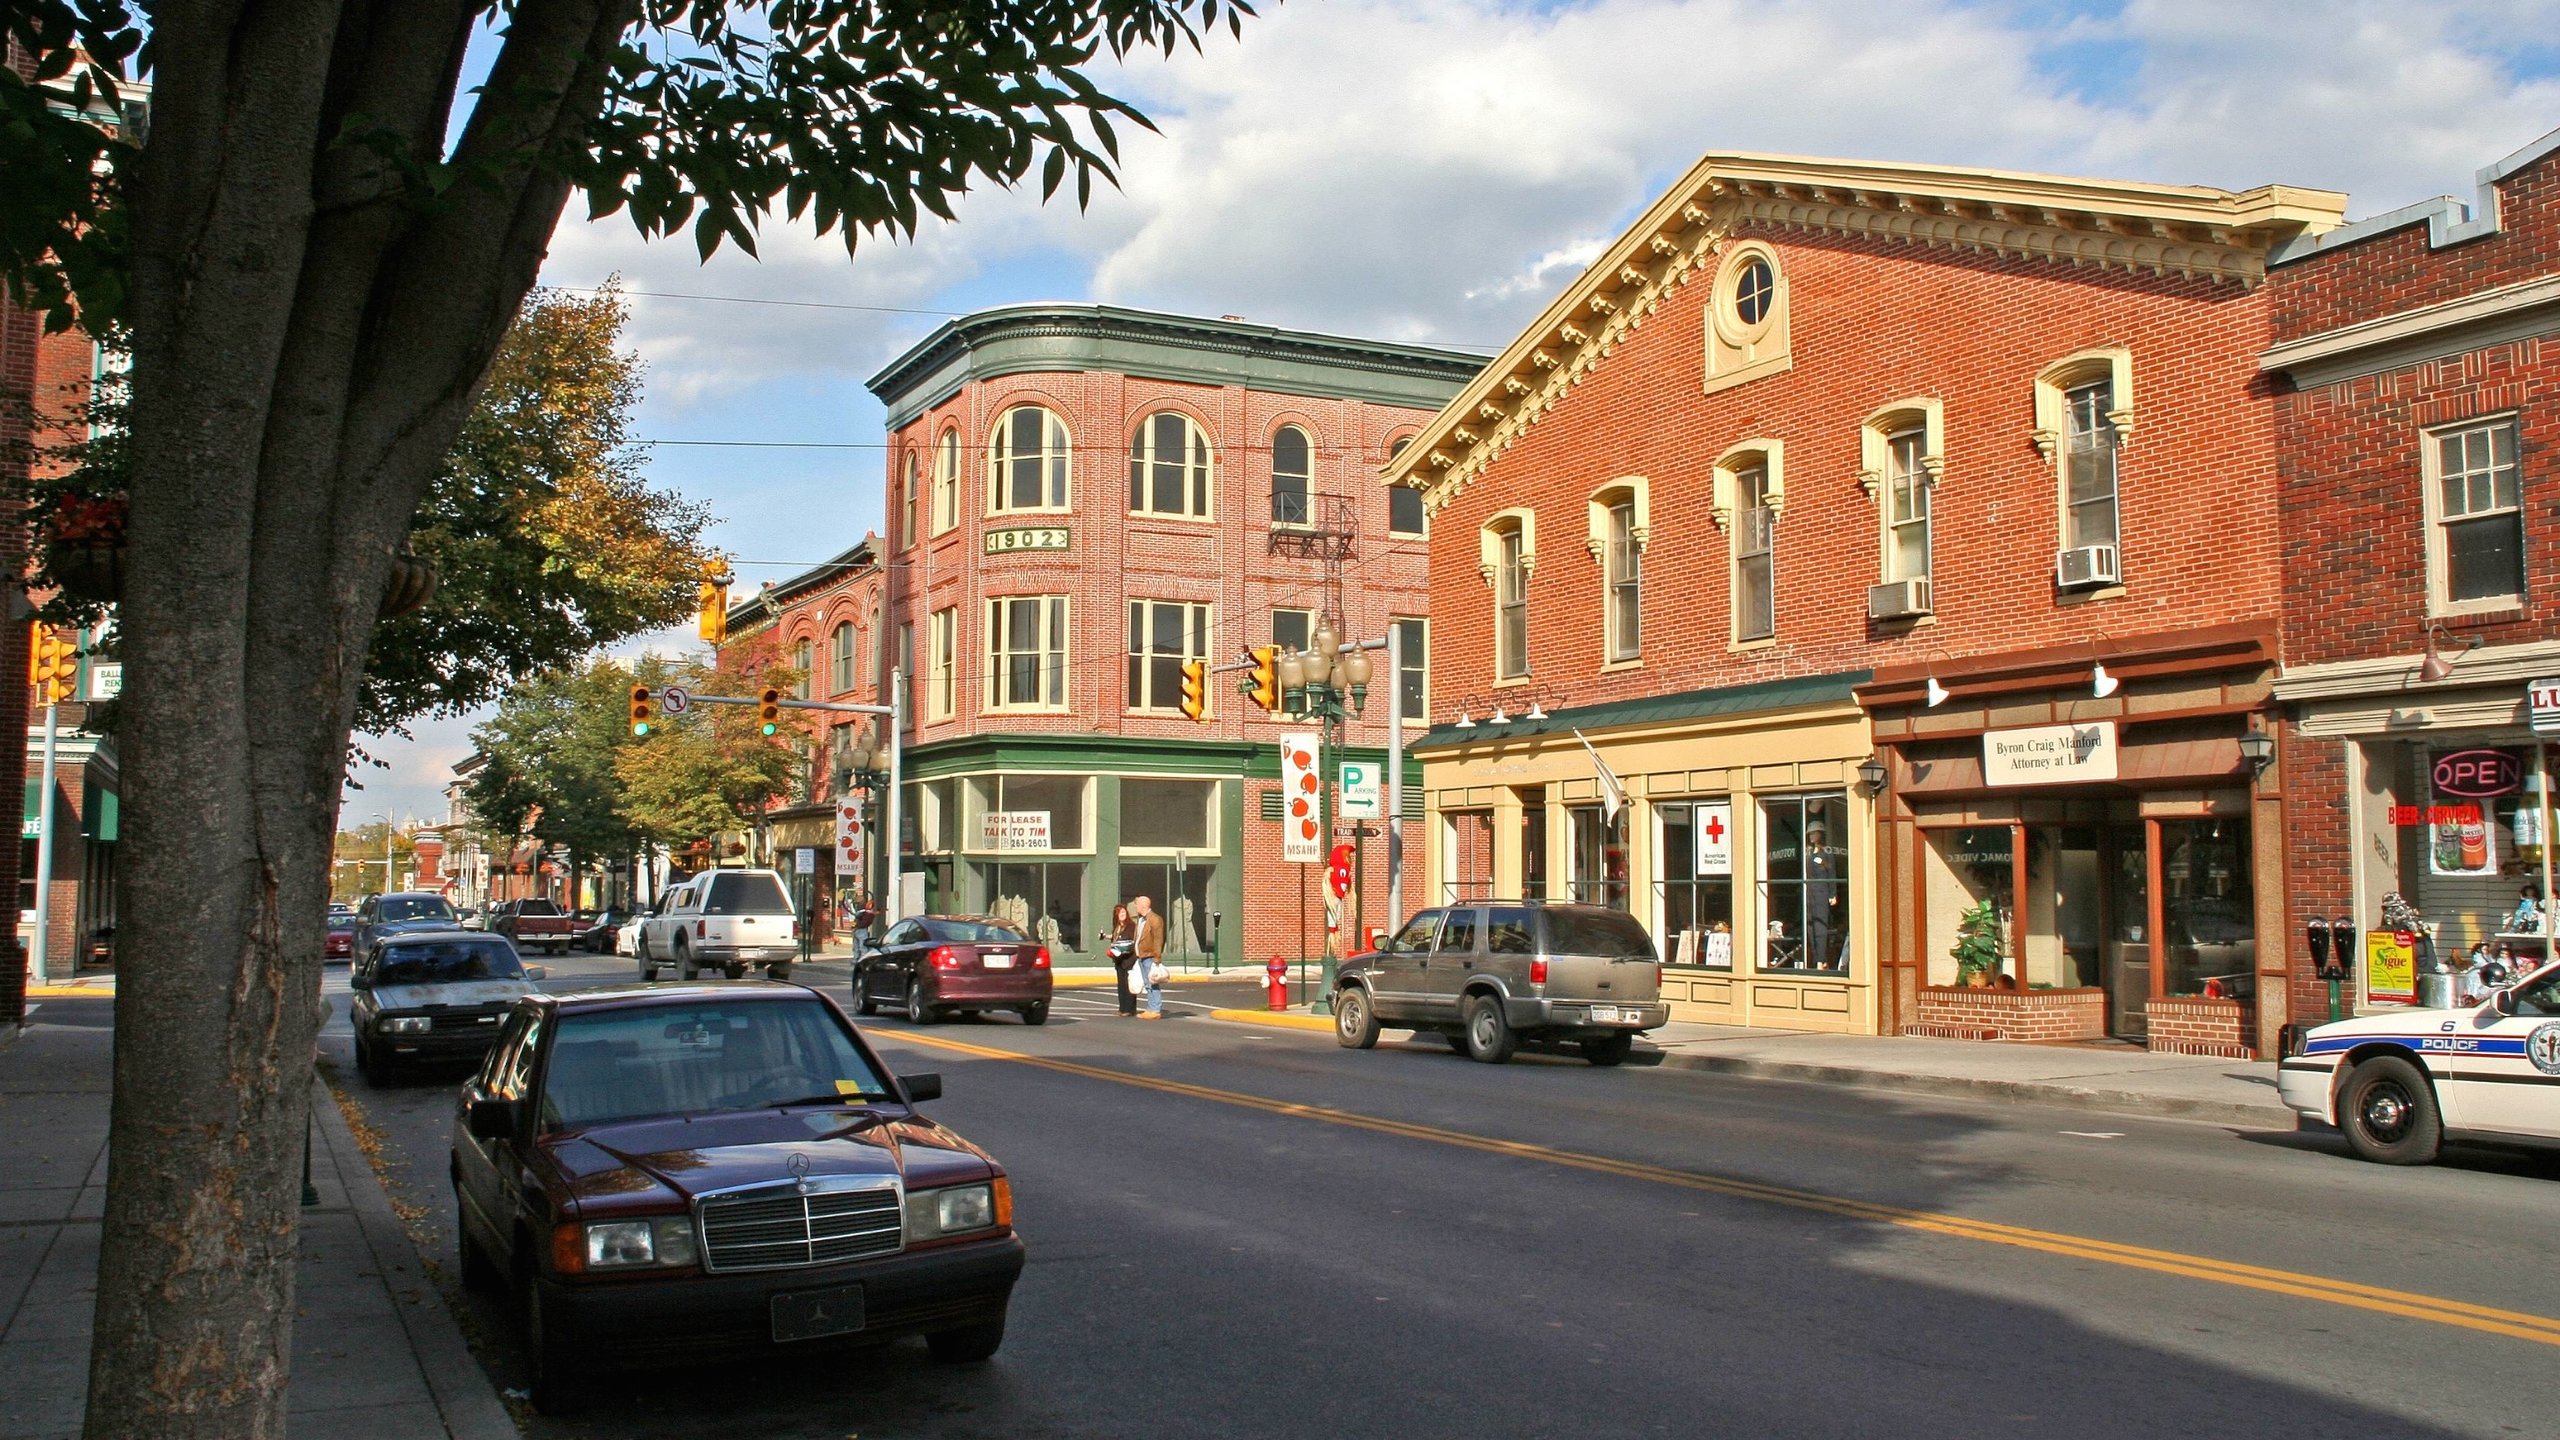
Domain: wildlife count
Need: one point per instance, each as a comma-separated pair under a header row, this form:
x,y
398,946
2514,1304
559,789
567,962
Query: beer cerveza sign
x,y
2478,774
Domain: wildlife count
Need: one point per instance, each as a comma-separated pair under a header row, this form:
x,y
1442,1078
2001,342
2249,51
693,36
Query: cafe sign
x,y
1024,537
2050,754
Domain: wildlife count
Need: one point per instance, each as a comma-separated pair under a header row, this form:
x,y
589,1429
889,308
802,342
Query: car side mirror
x,y
2503,1001
492,1119
359,982
536,972
921,1088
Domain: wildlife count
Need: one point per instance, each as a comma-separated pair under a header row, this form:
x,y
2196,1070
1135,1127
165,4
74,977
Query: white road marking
x,y
2096,1134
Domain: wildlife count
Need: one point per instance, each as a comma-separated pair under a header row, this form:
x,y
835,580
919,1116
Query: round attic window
x,y
1755,286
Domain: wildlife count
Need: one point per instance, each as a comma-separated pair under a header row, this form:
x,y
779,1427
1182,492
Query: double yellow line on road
x,y
2514,1324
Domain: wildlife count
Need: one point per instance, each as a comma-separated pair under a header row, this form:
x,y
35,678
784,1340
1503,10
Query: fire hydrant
x,y
1278,970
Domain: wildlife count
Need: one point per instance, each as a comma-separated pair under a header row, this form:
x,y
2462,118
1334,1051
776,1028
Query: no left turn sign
x,y
675,698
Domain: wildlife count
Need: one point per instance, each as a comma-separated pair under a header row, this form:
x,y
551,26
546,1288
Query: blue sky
x,y
1434,170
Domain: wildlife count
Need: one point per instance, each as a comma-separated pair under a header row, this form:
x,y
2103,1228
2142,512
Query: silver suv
x,y
1486,975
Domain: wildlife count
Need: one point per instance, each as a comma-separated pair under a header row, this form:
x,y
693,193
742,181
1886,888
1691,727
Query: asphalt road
x,y
1249,1232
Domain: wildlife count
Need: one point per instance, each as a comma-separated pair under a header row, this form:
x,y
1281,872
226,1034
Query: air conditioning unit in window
x,y
1898,600
2088,565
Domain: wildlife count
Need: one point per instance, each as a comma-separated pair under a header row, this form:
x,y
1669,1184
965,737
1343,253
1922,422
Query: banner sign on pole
x,y
849,855
1301,794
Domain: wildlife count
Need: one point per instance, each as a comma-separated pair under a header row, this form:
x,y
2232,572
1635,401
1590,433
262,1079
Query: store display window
x,y
1694,893
2458,831
1804,888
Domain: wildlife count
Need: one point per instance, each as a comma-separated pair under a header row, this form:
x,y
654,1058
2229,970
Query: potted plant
x,y
1977,947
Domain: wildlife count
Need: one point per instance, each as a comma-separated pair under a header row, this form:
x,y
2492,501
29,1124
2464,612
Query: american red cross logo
x,y
1715,829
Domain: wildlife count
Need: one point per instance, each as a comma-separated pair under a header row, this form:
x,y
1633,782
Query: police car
x,y
2397,1084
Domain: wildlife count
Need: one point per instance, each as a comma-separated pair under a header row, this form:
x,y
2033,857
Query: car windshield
x,y
649,1060
984,932
413,907
537,907
446,962
746,895
1602,933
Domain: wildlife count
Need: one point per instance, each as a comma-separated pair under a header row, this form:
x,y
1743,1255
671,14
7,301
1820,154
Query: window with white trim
x,y
1906,505
2475,523
1755,544
1292,477
942,689
1511,606
1169,467
946,482
1405,515
844,648
1163,634
1027,461
1413,681
2089,445
1027,652
804,662
1623,579
907,501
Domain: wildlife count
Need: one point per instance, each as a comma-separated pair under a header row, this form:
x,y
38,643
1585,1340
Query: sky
x,y
1434,171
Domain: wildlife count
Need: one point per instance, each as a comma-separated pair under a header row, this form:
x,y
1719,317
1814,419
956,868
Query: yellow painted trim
x,y
1286,1019
2515,1324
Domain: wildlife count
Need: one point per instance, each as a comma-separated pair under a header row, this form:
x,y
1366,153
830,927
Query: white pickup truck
x,y
724,920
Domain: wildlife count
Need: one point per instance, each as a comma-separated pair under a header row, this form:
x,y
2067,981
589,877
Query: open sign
x,y
2478,774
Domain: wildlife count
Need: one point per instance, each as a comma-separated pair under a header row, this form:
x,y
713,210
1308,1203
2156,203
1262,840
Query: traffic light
x,y
641,713
53,664
711,598
1264,683
769,709
1195,690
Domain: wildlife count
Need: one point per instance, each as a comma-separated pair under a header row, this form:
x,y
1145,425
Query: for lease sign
x,y
2050,754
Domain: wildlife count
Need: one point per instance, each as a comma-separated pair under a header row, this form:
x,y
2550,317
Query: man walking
x,y
1149,968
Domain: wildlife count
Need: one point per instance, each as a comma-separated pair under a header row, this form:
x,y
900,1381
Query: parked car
x,y
2397,1084
475,917
678,1173
1489,975
723,920
599,929
381,915
938,965
428,995
533,924
342,938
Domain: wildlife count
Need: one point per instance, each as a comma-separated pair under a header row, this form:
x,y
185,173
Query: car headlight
x,y
629,1244
406,1024
959,1209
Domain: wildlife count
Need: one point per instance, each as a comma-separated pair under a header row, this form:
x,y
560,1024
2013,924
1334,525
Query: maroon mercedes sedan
x,y
672,1173
940,965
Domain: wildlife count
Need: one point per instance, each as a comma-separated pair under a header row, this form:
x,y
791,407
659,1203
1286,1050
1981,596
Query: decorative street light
x,y
1329,684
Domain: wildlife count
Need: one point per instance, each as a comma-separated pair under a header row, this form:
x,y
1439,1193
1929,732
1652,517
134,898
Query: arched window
x,y
1508,548
844,657
907,501
1404,502
1027,461
1292,472
1169,467
946,482
801,660
1619,523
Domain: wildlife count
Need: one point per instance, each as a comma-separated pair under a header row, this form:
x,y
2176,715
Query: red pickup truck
x,y
534,922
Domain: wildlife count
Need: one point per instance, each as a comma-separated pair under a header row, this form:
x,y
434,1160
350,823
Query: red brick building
x,y
2417,357
1815,506
1080,500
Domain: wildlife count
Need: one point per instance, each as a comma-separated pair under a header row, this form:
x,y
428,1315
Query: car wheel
x,y
734,972
2388,1110
684,963
863,1004
777,972
1457,1040
479,1272
553,1381
966,1345
1611,1051
640,950
1036,1014
917,1010
1355,1025
376,1069
1489,1036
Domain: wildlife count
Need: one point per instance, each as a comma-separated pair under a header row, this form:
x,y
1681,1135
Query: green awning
x,y
1788,694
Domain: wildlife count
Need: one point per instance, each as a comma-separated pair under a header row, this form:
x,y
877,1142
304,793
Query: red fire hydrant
x,y
1278,970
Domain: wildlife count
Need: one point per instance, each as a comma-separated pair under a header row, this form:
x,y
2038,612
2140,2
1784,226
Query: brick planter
x,y
2193,1025
1968,1014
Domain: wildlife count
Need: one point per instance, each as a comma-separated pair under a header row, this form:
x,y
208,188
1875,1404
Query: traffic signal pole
x,y
44,849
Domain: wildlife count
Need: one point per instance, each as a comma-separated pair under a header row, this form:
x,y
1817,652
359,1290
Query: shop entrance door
x,y
2127,974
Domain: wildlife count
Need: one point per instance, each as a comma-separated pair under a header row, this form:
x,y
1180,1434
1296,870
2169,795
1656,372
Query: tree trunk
x,y
307,342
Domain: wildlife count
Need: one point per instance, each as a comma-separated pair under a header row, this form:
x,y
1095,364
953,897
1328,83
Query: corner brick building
x,y
2417,356
1815,506
1082,498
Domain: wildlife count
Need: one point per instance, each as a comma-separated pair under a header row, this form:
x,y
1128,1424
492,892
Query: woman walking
x,y
1120,943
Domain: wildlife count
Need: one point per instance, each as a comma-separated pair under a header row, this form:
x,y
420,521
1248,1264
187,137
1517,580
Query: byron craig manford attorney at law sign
x,y
2050,754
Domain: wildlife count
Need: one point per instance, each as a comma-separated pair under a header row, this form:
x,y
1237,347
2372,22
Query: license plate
x,y
810,1314
998,962
1604,1014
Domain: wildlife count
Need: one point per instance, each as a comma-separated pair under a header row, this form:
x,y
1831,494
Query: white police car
x,y
2397,1084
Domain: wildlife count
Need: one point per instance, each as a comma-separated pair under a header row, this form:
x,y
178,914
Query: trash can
x,y
2435,990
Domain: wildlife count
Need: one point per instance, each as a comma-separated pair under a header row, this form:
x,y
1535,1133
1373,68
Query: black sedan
x,y
599,930
428,995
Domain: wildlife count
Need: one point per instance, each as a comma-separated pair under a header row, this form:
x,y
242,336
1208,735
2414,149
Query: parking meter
x,y
2316,930
2343,939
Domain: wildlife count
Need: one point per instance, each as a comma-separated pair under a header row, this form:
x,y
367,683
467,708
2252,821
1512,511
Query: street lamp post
x,y
1329,681
386,853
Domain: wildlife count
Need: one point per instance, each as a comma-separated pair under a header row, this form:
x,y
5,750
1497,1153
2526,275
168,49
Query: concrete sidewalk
x,y
375,1352
2119,1080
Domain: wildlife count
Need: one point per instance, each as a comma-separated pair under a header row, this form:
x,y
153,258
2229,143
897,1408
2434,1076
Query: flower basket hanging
x,y
84,546
412,584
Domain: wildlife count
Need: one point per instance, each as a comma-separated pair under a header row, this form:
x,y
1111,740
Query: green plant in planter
x,y
1977,947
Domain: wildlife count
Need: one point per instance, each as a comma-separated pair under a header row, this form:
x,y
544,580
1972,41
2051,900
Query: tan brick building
x,y
1080,499
1814,506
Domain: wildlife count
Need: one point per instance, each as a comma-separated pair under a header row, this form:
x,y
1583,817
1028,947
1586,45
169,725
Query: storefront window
x,y
1467,851
2458,831
2208,919
1695,891
1599,856
1043,897
1805,892
1533,844
1057,801
1165,814
1181,894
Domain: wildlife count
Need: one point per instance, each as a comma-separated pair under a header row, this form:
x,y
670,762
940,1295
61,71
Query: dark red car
x,y
342,937
938,965
680,1172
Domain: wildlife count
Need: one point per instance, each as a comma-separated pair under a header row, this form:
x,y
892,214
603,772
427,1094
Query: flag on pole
x,y
1613,796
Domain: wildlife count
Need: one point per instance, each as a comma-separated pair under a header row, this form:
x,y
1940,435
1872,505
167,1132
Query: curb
x,y
2042,1092
1287,1019
465,1399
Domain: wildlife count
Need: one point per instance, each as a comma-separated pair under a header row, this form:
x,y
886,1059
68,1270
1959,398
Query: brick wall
x,y
2189,1026
2015,1015
2399,270
1874,323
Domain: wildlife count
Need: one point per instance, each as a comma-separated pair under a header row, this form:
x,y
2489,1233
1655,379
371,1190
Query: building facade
x,y
2417,358
1081,499
1860,559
